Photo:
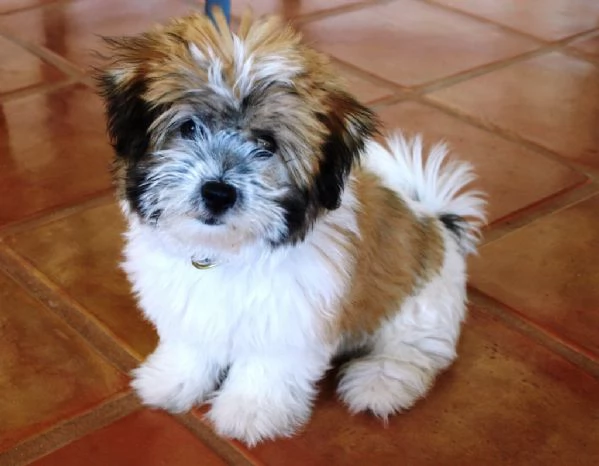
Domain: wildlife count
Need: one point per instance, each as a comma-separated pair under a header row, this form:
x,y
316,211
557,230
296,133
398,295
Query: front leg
x,y
177,376
267,396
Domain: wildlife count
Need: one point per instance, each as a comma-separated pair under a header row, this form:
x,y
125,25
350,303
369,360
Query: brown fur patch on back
x,y
395,255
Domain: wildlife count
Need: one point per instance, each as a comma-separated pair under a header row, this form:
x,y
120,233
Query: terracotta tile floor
x,y
512,85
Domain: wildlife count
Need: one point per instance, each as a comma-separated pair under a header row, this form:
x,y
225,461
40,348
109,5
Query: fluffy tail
x,y
438,185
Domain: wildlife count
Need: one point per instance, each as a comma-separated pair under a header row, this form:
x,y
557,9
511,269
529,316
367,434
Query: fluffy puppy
x,y
260,247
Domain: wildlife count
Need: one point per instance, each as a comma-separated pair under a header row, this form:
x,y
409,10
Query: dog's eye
x,y
266,143
189,129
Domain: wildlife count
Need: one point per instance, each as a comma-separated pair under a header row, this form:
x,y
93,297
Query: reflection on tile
x,y
588,46
20,69
504,394
53,152
364,90
508,173
81,254
47,372
290,8
71,29
12,5
148,438
552,100
428,42
549,272
546,19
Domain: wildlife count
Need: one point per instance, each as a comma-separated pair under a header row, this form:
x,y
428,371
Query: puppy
x,y
258,244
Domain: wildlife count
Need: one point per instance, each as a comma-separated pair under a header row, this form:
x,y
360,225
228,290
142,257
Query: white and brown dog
x,y
260,247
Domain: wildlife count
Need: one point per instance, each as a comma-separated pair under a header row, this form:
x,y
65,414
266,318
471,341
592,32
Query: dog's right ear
x,y
129,116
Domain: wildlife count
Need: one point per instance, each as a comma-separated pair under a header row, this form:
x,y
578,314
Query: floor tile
x,y
20,69
364,89
505,401
589,46
428,42
289,8
546,19
71,29
53,152
548,271
12,5
81,254
552,100
148,438
47,372
509,173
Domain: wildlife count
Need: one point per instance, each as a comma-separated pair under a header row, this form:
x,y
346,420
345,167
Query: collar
x,y
203,264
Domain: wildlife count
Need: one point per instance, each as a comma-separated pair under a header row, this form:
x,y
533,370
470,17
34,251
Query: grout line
x,y
572,52
36,89
489,67
35,7
327,13
89,81
302,18
507,135
45,217
91,329
475,72
60,435
444,81
546,207
543,47
482,19
379,104
226,449
503,226
506,28
480,70
96,336
109,411
513,318
526,215
365,74
70,69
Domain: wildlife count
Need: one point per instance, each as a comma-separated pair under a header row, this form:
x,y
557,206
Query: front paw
x,y
162,382
252,419
156,388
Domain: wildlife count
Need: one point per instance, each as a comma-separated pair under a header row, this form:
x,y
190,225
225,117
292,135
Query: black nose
x,y
218,196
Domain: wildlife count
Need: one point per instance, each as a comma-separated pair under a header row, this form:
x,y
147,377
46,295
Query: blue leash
x,y
224,5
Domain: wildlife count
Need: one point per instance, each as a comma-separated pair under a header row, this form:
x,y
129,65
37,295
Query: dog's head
x,y
234,137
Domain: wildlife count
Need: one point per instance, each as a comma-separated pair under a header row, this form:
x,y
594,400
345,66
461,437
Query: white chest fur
x,y
258,299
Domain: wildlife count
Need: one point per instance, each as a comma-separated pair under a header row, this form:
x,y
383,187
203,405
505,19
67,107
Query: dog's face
x,y
229,138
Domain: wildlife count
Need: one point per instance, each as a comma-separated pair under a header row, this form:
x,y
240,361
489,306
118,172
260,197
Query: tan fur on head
x,y
181,55
260,77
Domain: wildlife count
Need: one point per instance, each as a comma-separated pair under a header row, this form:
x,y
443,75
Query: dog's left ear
x,y
349,125
121,82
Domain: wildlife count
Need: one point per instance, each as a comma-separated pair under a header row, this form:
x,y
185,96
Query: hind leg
x,y
408,350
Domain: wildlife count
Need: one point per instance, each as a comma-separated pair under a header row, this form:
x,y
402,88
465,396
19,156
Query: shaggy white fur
x,y
259,315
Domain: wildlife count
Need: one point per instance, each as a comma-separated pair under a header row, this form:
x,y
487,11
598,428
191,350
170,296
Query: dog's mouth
x,y
211,221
